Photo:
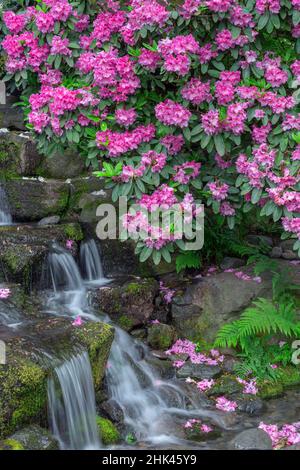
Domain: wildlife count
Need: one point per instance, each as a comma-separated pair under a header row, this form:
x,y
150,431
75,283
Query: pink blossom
x,y
225,405
172,114
78,321
205,384
4,293
125,117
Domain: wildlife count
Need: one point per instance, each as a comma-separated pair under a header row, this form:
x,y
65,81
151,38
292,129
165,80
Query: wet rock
x,y
33,199
198,371
23,249
129,303
139,333
231,263
293,447
250,404
196,434
252,439
51,220
61,166
160,355
18,155
35,438
113,411
276,252
161,336
287,245
23,380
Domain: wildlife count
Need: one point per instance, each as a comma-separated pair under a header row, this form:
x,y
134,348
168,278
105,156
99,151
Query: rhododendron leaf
x,y
145,254
166,255
263,20
220,145
277,214
256,195
156,255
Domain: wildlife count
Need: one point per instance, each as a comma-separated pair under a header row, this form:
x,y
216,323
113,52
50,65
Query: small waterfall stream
x,y
147,400
72,405
5,216
90,262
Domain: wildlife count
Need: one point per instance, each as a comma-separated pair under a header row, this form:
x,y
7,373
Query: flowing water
x,y
72,405
147,400
5,216
90,263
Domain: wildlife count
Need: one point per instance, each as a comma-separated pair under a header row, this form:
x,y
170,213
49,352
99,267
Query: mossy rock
x,y
11,444
161,336
73,232
108,431
288,377
268,390
129,302
34,438
225,385
197,435
18,155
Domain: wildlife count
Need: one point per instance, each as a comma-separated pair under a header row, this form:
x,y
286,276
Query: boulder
x,y
32,199
23,380
161,336
23,249
68,164
252,439
51,220
231,263
207,303
18,155
259,239
198,371
12,117
130,302
34,438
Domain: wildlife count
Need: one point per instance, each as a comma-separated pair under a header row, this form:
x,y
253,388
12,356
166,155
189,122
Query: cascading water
x,y
62,273
90,263
5,216
72,405
149,402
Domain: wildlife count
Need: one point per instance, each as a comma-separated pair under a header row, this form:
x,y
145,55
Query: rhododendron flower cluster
x,y
196,108
226,405
196,423
287,434
4,293
187,347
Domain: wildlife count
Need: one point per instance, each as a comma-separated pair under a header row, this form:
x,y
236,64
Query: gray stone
x,y
68,164
35,438
112,411
250,404
51,220
252,439
23,249
198,371
276,252
19,155
287,245
34,199
289,255
12,117
129,302
258,239
230,262
161,336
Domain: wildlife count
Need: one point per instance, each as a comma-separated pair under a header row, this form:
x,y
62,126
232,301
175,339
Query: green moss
x,y
108,432
74,232
23,394
226,385
125,322
161,336
97,339
9,153
289,376
11,444
269,390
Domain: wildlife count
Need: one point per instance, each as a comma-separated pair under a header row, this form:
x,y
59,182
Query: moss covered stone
x,y
225,385
11,444
161,336
74,232
108,431
130,303
23,380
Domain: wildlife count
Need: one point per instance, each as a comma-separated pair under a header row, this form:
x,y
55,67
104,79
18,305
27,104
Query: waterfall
x,y
72,405
90,262
61,272
5,216
151,404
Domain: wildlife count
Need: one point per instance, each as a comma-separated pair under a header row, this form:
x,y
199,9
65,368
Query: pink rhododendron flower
x,y
225,405
78,321
4,293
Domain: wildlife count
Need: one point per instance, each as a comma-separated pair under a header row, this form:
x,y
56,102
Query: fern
x,y
263,318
